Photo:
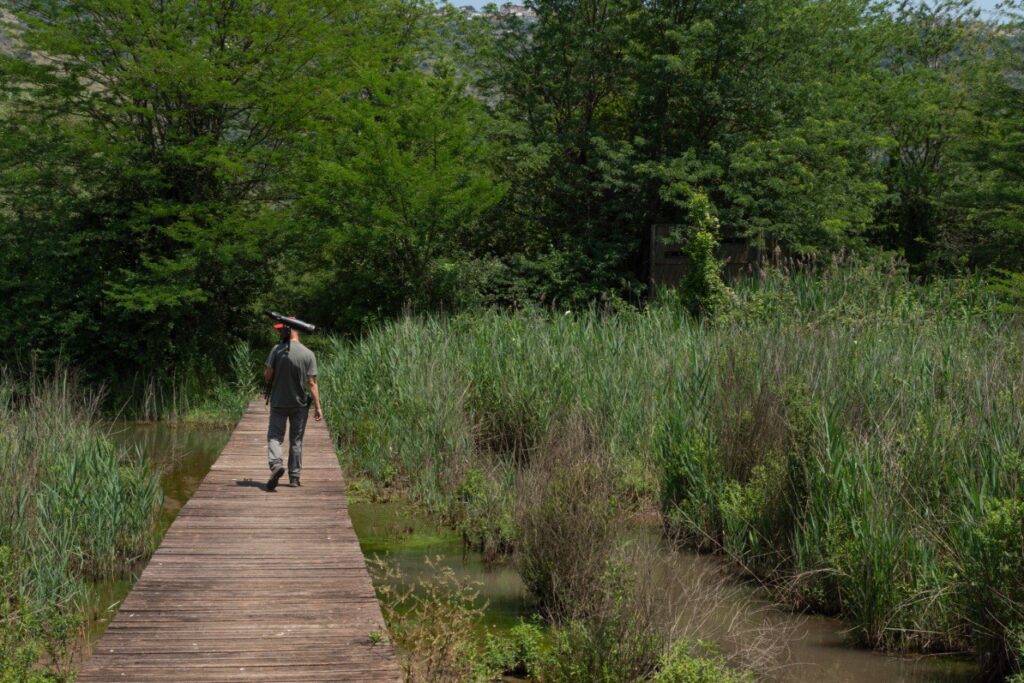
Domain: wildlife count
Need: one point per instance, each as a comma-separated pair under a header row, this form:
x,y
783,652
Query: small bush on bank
x,y
21,641
566,520
617,635
519,653
435,626
483,511
680,665
993,574
431,624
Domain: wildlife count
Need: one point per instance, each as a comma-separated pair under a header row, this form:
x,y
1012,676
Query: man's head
x,y
286,332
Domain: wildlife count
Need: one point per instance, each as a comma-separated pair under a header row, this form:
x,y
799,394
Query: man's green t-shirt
x,y
292,363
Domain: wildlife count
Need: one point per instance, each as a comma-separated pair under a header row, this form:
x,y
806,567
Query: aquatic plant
x,y
838,434
73,509
201,393
432,624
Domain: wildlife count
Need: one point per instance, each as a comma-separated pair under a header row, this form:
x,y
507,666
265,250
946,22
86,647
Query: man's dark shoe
x,y
294,481
275,477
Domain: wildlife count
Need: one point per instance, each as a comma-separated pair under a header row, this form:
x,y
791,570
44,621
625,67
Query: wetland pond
x,y
818,647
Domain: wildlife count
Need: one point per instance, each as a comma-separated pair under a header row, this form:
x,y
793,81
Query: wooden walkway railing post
x,y
250,585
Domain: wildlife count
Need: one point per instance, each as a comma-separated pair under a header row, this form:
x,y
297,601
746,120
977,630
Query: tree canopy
x,y
166,169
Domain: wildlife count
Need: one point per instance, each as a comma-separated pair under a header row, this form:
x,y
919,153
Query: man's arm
x,y
268,367
315,390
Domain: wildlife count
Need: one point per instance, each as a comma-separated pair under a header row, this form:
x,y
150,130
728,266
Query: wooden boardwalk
x,y
250,585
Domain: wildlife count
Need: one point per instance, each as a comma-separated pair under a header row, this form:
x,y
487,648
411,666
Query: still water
x,y
818,647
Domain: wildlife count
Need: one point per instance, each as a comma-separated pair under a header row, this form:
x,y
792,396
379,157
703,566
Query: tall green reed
x,y
208,392
73,507
839,435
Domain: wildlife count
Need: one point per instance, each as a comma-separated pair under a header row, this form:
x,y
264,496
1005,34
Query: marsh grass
x,y
74,509
568,523
645,620
432,624
630,630
841,436
200,395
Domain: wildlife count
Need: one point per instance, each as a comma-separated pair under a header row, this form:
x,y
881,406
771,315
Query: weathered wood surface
x,y
250,585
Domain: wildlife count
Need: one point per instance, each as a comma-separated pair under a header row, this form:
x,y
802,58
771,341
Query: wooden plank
x,y
252,585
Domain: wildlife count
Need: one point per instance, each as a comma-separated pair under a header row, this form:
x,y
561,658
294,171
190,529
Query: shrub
x,y
680,665
994,586
20,648
482,512
616,642
634,628
431,624
756,515
702,290
517,653
566,515
26,634
692,477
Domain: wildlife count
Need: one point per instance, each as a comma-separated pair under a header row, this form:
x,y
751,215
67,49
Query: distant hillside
x,y
7,42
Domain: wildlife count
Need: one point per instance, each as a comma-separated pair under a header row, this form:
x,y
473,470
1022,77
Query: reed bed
x,y
201,393
850,439
74,509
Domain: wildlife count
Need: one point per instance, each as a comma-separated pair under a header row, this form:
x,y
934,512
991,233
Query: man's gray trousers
x,y
296,420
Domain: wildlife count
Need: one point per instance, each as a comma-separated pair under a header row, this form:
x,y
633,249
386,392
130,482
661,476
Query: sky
x,y
986,4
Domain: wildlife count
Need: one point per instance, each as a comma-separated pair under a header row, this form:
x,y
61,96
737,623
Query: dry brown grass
x,y
618,595
567,520
692,598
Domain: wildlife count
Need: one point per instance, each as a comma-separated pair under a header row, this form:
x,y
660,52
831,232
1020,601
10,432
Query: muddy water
x,y
182,453
814,648
406,540
818,648
820,652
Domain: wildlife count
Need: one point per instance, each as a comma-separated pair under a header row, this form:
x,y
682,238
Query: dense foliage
x,y
74,510
811,125
166,166
850,440
167,169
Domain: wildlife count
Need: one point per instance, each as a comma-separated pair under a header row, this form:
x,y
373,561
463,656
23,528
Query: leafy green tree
x,y
743,100
166,168
560,87
616,112
140,150
922,99
992,232
393,200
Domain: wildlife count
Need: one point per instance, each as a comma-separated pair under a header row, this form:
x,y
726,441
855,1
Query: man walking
x,y
290,369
